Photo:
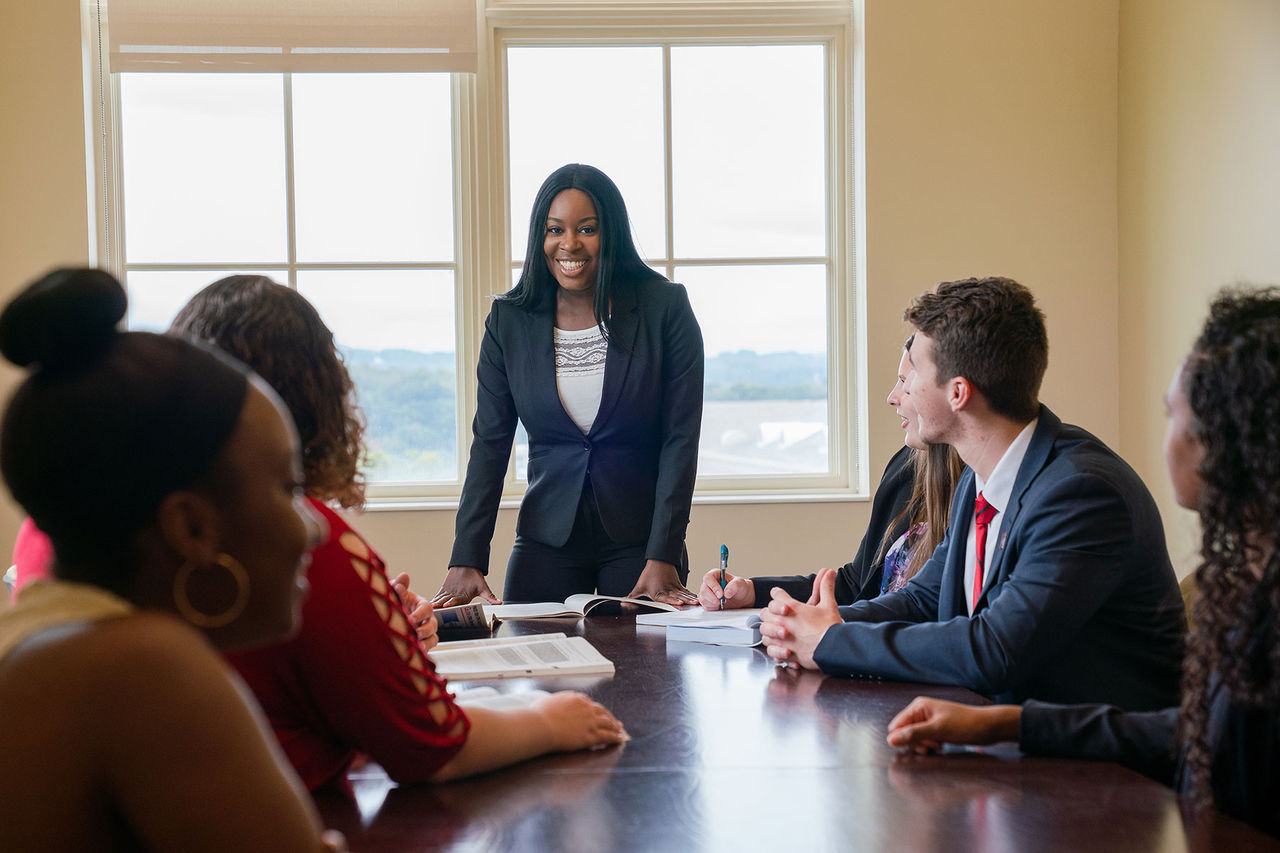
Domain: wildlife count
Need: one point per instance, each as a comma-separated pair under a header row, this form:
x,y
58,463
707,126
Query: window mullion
x,y
291,228
667,165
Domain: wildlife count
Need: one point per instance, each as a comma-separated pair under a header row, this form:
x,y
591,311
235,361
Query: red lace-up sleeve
x,y
355,679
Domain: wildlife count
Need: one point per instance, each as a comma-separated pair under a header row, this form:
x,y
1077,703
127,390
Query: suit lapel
x,y
542,370
954,603
625,321
1033,462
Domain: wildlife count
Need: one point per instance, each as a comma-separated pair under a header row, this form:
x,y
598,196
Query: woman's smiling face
x,y
571,241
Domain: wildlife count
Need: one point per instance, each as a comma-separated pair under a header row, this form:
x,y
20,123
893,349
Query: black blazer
x,y
1244,745
641,453
1081,603
860,578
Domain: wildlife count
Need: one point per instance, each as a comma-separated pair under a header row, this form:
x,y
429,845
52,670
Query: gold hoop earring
x,y
211,620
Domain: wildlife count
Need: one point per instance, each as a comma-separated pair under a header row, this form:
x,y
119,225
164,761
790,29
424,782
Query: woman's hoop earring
x,y
211,620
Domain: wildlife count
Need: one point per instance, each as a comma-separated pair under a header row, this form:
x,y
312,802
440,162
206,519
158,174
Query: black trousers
x,y
588,562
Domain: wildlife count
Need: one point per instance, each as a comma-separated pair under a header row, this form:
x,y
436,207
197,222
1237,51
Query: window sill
x,y
710,498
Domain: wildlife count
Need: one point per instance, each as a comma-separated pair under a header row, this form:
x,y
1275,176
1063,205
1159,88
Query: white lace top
x,y
580,373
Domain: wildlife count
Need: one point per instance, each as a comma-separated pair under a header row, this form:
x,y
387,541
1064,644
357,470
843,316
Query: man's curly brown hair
x,y
1232,383
278,333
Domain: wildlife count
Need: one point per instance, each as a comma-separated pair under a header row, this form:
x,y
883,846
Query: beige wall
x,y
991,148
1199,196
43,199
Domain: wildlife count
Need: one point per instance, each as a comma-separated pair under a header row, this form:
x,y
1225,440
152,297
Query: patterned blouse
x,y
897,558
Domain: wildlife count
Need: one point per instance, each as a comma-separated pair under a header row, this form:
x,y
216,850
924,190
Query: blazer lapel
x,y
952,602
625,321
1036,457
542,370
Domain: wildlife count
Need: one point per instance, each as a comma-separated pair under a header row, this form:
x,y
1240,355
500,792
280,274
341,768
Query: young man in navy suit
x,y
1053,581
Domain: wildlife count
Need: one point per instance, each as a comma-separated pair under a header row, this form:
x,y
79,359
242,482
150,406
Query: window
x,y
326,182
398,201
738,214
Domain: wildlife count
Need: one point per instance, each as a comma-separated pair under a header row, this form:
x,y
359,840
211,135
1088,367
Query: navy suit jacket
x,y
1080,605
641,452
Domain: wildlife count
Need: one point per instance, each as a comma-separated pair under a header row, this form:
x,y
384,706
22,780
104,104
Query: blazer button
x,y
586,445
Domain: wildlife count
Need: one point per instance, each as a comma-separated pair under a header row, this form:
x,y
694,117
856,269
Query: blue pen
x,y
724,571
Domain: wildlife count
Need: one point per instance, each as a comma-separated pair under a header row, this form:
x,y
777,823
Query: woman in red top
x,y
357,679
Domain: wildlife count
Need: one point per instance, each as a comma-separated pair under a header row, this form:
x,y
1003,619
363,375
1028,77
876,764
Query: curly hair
x,y
1232,383
277,332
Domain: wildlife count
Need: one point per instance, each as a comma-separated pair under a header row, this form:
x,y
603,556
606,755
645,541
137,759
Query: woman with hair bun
x,y
601,359
1222,452
167,479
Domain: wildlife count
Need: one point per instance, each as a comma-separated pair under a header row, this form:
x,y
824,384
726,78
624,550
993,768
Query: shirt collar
x,y
997,489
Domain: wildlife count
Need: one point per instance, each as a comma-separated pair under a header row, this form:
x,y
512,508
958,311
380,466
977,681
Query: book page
x,y
533,610
537,656
494,641
584,601
579,604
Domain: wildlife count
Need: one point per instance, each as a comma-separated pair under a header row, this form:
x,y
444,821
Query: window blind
x,y
289,35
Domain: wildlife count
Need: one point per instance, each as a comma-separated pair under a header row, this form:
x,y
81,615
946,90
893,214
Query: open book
x,y
519,657
575,605
718,627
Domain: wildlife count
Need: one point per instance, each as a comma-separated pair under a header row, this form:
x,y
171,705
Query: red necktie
x,y
983,512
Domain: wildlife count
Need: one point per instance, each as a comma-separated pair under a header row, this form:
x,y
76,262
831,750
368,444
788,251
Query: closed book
x,y
464,620
718,627
717,635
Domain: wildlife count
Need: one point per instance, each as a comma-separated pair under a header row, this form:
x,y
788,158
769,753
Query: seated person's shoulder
x,y
123,677
133,657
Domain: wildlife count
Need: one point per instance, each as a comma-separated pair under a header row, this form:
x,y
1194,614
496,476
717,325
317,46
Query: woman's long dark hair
x,y
619,264
1232,383
936,469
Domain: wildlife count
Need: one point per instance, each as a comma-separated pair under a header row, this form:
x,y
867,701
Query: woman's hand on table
x,y
738,592
421,614
576,722
926,724
462,584
660,582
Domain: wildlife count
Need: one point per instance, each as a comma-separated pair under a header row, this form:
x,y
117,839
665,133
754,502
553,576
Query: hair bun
x,y
62,320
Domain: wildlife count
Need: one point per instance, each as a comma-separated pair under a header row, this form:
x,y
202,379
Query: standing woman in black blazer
x,y
601,359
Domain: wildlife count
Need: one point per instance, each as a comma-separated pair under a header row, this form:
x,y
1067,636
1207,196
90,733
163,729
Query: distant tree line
x,y
409,399
749,375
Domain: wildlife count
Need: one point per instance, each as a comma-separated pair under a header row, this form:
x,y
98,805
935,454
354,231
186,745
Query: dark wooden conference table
x,y
730,753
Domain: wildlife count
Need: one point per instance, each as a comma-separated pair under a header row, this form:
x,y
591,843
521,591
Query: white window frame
x,y
482,253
